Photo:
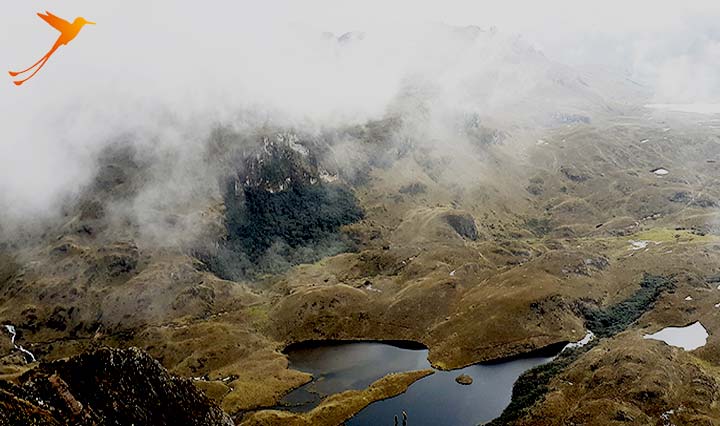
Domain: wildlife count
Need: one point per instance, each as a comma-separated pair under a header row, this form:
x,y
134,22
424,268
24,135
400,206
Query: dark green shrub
x,y
532,385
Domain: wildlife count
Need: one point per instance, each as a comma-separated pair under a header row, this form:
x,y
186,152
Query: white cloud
x,y
201,62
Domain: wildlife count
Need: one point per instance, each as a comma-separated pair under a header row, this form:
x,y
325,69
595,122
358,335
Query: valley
x,y
479,252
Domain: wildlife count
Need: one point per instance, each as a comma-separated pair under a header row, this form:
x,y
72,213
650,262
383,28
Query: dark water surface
x,y
436,400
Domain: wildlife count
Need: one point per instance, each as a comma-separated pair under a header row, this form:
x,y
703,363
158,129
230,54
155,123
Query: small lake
x,y
436,400
690,337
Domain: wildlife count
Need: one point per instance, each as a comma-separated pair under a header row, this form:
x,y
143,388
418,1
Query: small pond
x,y
690,337
435,400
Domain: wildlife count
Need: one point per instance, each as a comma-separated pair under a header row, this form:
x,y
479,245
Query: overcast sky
x,y
142,42
199,59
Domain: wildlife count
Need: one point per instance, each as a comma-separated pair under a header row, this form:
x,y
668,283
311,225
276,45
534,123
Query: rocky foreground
x,y
108,387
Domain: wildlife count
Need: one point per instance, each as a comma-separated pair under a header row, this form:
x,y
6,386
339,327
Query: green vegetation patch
x,y
300,216
616,318
532,386
269,232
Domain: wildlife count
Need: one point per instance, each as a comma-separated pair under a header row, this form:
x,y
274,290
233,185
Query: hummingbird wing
x,y
56,22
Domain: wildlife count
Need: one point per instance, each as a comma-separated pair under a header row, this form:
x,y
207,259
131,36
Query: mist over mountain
x,y
437,74
319,213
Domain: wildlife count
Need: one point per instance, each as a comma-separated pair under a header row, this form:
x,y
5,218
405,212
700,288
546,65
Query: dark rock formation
x,y
414,188
106,387
685,197
481,135
573,174
463,224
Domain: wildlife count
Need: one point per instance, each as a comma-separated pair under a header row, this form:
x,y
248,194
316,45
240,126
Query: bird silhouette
x,y
68,32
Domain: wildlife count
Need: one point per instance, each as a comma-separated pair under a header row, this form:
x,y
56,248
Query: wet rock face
x,y
278,163
464,225
109,387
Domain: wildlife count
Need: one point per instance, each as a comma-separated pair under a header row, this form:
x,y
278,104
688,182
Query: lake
x,y
435,400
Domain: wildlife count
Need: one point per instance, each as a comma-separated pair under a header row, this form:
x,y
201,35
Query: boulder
x,y
464,379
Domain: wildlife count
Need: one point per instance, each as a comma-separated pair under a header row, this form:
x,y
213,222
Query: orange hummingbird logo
x,y
68,32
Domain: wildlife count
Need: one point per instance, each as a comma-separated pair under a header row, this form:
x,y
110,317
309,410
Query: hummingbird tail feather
x,y
47,55
19,82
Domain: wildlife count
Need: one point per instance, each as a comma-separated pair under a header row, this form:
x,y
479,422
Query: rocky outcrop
x,y
463,224
109,387
283,207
